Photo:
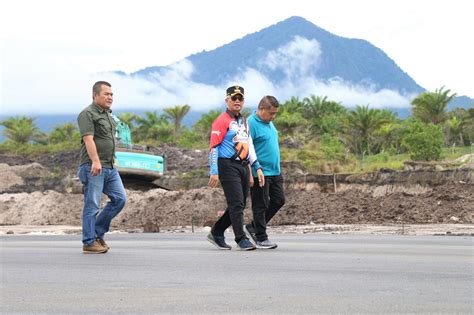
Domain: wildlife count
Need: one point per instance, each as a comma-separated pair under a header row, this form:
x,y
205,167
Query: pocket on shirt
x,y
102,127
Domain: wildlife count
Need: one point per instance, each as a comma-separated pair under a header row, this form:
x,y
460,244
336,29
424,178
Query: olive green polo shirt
x,y
94,120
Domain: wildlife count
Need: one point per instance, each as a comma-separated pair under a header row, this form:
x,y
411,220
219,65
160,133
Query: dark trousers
x,y
234,179
266,201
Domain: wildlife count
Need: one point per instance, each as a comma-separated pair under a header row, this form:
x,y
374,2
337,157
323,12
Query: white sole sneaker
x,y
249,235
273,246
213,242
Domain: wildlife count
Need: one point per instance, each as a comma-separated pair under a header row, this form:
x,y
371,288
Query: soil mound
x,y
43,193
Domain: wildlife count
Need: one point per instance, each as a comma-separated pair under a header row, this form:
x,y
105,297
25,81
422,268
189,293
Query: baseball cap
x,y
234,90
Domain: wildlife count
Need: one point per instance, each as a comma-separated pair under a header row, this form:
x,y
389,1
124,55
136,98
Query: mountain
x,y
352,60
294,50
461,101
275,52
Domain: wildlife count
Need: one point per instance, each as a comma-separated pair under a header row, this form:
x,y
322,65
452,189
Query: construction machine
x,y
138,165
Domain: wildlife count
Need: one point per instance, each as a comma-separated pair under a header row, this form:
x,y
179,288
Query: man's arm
x,y
214,177
250,175
255,164
96,168
218,131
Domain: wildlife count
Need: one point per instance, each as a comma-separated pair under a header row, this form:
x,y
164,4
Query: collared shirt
x,y
230,139
98,122
265,141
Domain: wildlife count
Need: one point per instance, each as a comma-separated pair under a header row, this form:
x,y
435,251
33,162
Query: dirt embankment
x,y
32,193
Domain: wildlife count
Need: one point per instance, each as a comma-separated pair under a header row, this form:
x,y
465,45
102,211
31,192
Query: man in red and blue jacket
x,y
231,150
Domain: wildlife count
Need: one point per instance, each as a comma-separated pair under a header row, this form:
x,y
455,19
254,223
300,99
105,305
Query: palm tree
x,y
460,125
64,133
469,125
430,107
294,105
322,113
290,118
289,123
128,118
454,128
362,124
176,114
203,125
313,106
20,129
152,126
318,106
388,136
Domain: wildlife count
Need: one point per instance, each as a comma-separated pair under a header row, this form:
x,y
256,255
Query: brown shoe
x,y
103,243
94,248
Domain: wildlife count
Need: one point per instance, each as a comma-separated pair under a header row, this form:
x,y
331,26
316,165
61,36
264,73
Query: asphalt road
x,y
183,273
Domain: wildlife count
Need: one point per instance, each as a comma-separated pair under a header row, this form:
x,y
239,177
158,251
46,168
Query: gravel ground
x,y
408,229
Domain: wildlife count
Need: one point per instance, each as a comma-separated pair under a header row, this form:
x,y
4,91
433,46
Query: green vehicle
x,y
138,163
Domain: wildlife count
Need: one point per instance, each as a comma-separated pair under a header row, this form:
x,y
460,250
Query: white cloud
x,y
146,33
59,85
296,58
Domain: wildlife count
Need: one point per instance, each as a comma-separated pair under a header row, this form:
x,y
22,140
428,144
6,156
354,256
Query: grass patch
x,y
30,149
311,157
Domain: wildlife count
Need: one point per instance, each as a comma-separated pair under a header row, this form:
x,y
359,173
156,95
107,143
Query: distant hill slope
x,y
461,101
353,60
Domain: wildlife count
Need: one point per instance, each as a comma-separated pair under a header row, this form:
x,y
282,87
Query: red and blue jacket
x,y
230,139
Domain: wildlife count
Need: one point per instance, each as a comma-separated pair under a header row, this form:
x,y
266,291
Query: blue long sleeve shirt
x,y
230,138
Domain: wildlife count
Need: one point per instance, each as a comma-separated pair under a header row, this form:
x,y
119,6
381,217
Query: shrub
x,y
332,148
424,141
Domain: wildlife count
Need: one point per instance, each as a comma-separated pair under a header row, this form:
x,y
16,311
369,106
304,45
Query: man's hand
x,y
213,180
261,178
251,180
96,168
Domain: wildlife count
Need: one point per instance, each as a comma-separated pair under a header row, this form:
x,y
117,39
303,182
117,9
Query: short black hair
x,y
96,88
268,101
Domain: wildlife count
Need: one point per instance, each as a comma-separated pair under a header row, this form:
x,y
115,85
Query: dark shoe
x,y
94,248
103,243
245,244
250,232
218,241
266,244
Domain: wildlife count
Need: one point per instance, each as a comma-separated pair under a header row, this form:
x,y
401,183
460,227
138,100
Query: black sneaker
x,y
245,244
250,232
266,244
218,241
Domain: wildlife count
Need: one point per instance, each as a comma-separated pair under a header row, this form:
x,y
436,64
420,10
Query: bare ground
x,y
46,197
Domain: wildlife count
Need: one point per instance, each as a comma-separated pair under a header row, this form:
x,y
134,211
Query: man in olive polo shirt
x,y
96,171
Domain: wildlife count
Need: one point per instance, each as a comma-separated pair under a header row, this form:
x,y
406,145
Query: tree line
x,y
333,129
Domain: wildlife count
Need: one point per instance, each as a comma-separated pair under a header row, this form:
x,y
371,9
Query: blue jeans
x,y
95,223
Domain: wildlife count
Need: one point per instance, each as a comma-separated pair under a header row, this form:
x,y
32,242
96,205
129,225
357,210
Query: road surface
x,y
183,273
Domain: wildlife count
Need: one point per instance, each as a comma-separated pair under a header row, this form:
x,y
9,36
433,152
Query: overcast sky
x,y
53,51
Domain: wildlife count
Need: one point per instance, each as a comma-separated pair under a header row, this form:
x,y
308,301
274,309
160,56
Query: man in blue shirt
x,y
269,198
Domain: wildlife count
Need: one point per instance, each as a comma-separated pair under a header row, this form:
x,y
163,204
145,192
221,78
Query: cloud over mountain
x,y
291,58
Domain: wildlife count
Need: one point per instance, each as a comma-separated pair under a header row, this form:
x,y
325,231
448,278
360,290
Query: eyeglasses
x,y
234,98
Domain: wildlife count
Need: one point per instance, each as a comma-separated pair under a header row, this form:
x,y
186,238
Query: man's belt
x,y
241,162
